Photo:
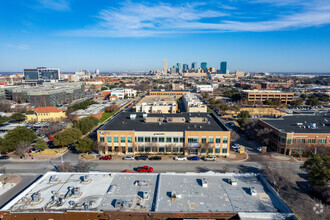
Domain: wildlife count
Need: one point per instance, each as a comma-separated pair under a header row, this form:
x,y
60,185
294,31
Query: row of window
x,y
175,150
141,139
303,141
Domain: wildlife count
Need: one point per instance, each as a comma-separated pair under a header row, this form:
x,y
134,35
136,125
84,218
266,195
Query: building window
x,y
115,139
217,140
140,139
161,149
303,141
210,139
181,139
193,140
294,141
161,139
210,150
203,139
311,141
321,141
225,140
168,139
224,150
283,140
288,141
109,139
130,149
298,141
175,139
129,139
101,138
217,150
122,139
147,139
202,150
154,139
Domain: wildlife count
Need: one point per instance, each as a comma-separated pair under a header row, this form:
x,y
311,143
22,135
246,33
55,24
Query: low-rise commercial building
x,y
262,95
193,104
176,86
189,133
292,134
272,85
103,195
95,110
46,114
204,88
164,92
157,104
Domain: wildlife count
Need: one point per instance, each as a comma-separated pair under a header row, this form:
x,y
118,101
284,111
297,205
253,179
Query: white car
x,y
128,158
180,158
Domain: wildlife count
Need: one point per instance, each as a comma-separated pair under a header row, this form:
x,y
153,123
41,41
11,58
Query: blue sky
x,y
251,35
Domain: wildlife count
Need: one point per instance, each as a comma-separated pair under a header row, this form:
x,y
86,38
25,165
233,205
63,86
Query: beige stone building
x,y
193,104
262,95
157,104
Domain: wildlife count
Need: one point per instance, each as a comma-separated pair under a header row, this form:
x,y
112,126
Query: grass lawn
x,y
106,115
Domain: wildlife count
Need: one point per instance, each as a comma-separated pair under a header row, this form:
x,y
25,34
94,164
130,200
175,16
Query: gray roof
x,y
290,124
123,122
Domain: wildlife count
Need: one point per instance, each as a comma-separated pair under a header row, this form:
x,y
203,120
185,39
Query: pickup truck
x,y
145,169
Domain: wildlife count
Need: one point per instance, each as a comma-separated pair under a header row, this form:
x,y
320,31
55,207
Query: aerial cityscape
x,y
165,110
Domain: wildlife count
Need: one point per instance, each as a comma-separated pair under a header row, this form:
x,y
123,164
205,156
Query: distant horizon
x,y
133,35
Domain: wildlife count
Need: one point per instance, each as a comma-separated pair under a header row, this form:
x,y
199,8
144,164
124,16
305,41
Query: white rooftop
x,y
151,192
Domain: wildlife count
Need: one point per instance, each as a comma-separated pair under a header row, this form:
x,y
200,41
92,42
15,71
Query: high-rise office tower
x,y
204,65
185,67
194,65
165,66
223,67
178,66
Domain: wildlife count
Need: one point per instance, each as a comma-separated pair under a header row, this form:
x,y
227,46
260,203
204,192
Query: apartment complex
x,y
46,114
157,104
290,134
42,74
48,94
262,95
188,133
193,104
164,92
104,195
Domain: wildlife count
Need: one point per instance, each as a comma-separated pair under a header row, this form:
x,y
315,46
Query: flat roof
x,y
152,99
123,122
150,192
301,123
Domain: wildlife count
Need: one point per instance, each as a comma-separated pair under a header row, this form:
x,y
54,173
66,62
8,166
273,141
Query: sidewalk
x,y
41,156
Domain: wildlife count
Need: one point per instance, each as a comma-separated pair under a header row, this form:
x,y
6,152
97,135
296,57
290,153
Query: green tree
x,y
3,119
126,96
67,137
41,144
104,88
224,107
297,102
17,116
303,96
15,136
242,117
84,145
236,108
86,124
318,169
313,101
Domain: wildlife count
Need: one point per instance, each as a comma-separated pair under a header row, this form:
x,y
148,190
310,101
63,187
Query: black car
x,y
4,157
141,157
155,158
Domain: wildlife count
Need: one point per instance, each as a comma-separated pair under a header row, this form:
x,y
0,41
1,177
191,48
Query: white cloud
x,y
18,46
57,5
142,20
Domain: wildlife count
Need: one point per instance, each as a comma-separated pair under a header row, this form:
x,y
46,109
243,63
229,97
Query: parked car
x,y
193,158
155,158
4,157
209,158
141,157
180,158
109,157
259,149
128,158
145,169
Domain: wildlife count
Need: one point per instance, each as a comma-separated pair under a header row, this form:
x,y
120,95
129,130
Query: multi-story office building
x,y
48,94
223,67
290,134
204,65
164,92
272,85
194,66
262,95
185,67
179,68
165,67
157,104
42,74
204,88
193,104
188,133
119,93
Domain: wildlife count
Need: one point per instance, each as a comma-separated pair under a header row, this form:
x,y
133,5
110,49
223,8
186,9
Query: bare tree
x,y
234,136
98,147
52,128
65,167
21,148
83,166
277,174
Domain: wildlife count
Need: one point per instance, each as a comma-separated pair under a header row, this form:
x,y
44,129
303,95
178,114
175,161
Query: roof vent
x,y
145,115
132,116
204,182
174,196
53,179
36,197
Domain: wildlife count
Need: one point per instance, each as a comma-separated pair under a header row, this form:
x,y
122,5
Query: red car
x,y
109,157
145,169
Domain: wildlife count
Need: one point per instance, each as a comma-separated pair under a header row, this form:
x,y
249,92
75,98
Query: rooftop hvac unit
x,y
36,197
145,115
53,179
132,116
71,203
204,182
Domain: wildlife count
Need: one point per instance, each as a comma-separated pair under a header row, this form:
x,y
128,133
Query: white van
x,y
210,158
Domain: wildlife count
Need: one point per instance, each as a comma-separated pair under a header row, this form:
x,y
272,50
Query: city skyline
x,y
255,36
